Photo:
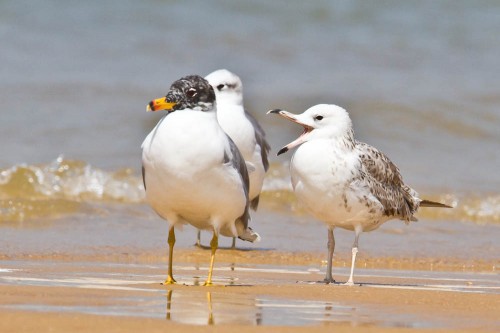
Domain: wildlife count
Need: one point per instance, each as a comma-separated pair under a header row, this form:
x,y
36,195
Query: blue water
x,y
420,80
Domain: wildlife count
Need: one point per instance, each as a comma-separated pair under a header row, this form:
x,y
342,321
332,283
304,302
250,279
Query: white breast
x,y
186,178
326,181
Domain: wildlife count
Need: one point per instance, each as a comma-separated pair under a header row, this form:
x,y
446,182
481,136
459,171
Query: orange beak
x,y
160,104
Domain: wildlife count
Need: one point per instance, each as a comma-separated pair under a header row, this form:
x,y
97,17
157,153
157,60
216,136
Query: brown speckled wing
x,y
386,183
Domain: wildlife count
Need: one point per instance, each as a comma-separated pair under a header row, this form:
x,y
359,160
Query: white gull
x,y
343,182
242,128
193,172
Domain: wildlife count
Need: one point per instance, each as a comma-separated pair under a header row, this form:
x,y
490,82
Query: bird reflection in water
x,y
216,308
198,308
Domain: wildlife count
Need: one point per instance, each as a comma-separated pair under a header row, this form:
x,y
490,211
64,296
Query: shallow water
x,y
418,80
419,88
214,307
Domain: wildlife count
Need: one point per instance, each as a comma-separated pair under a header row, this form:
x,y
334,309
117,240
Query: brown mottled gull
x,y
343,182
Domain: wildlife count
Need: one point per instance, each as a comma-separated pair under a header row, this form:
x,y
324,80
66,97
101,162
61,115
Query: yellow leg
x,y
214,243
171,241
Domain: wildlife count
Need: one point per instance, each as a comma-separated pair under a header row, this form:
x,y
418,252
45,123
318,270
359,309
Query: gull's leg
x,y
171,241
198,239
233,246
357,230
331,248
214,243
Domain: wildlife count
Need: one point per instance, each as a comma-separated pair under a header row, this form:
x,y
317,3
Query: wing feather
x,y
386,183
260,137
234,157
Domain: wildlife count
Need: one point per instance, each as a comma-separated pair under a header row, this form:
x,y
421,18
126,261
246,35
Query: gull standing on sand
x,y
193,172
343,182
242,128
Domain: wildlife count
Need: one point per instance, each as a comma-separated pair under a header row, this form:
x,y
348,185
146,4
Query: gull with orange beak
x,y
192,171
343,182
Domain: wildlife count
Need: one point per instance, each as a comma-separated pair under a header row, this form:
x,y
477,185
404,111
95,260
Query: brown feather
x,y
428,203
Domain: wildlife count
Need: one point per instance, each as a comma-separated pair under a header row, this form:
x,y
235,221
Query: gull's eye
x,y
220,86
191,92
318,117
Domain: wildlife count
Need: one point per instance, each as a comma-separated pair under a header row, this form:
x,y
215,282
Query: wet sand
x,y
254,291
103,273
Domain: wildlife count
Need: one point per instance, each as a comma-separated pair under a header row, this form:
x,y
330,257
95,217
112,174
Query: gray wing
x,y
260,136
237,161
386,183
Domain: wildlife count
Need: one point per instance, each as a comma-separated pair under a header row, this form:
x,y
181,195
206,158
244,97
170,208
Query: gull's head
x,y
322,121
190,92
227,85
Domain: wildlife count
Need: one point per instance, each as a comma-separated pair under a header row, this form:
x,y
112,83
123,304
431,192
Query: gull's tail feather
x,y
428,203
249,235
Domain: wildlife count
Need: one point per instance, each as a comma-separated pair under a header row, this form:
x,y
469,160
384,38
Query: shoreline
x,y
266,257
102,295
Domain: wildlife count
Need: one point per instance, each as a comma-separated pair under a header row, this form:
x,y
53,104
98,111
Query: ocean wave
x,y
63,187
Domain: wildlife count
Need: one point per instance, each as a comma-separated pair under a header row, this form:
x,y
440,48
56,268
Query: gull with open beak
x,y
343,182
193,172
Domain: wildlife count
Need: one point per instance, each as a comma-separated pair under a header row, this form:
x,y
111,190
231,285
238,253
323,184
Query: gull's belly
x,y
197,198
341,207
330,189
186,179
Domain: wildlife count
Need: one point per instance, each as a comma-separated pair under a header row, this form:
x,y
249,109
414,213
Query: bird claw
x,y
324,281
207,284
169,280
349,283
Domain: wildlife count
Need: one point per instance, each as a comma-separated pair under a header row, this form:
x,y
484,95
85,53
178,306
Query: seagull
x,y
193,172
343,182
242,128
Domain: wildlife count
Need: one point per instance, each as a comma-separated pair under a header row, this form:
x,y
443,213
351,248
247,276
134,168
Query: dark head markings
x,y
220,87
191,92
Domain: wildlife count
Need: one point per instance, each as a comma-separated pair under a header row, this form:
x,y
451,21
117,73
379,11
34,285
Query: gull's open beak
x,y
302,138
160,104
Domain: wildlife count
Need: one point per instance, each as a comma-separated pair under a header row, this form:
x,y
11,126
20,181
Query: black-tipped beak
x,y
282,151
274,111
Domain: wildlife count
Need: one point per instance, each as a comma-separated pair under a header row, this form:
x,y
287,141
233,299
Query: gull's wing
x,y
386,183
233,157
260,137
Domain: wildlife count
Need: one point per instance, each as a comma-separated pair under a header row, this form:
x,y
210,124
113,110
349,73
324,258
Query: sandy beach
x,y
81,250
253,292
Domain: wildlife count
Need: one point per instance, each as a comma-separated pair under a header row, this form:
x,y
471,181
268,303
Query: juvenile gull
x,y
343,182
193,172
242,128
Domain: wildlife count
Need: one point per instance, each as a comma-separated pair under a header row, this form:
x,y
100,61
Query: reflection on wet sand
x,y
272,295
214,308
208,308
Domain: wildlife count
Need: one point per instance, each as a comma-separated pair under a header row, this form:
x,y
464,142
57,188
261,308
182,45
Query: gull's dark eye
x,y
220,86
318,117
191,92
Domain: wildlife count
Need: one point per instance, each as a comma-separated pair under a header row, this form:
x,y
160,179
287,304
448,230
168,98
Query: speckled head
x,y
190,92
